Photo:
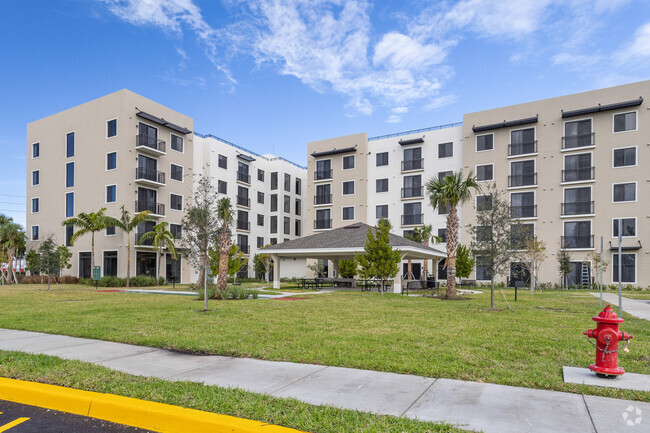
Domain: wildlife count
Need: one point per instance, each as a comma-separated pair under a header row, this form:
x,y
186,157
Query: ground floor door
x,y
145,264
442,271
173,268
84,265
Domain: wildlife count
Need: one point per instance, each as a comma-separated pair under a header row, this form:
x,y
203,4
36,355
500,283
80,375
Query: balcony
x,y
578,208
243,201
146,243
155,209
149,176
516,180
529,211
323,199
323,174
243,225
409,220
413,164
246,249
577,141
516,149
579,174
569,242
411,192
150,144
244,177
322,224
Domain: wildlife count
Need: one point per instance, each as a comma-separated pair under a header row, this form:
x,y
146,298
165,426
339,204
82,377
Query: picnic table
x,y
368,285
314,283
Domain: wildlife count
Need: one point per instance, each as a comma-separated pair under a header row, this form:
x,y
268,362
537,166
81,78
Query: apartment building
x,y
572,167
126,150
359,179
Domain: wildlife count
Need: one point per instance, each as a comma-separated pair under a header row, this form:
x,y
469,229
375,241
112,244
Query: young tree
x,y
236,260
226,216
380,259
564,265
162,239
64,257
347,268
317,267
32,260
464,261
127,225
450,192
492,244
261,264
594,257
50,258
532,256
90,223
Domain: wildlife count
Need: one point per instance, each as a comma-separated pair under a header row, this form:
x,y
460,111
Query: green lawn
x,y
414,335
642,296
285,412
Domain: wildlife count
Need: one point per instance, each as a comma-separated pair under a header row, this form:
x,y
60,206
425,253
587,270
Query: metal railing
x,y
243,225
578,208
413,164
515,180
243,201
147,242
525,148
323,174
246,249
150,142
323,199
408,220
243,177
149,174
416,131
576,141
322,224
578,174
529,211
577,241
153,207
413,191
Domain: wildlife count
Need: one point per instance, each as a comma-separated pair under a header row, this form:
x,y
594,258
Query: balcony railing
x,y
576,141
243,201
246,249
577,241
413,164
414,191
244,177
522,180
151,206
408,220
322,174
578,208
150,142
243,225
529,211
515,149
579,174
150,175
138,236
323,199
322,224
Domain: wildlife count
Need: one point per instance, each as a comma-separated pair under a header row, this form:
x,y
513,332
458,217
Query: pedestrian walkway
x,y
474,406
636,308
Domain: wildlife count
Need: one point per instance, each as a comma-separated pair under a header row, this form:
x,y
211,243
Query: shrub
x,y
162,281
231,292
68,279
143,281
31,279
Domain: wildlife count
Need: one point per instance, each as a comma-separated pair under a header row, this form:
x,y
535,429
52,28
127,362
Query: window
x,y
242,243
274,180
111,193
35,205
577,134
298,208
260,220
260,197
348,213
577,201
412,159
274,202
287,204
298,228
442,234
348,162
111,128
69,204
176,230
84,264
443,210
483,233
323,194
111,161
223,161
323,219
177,143
242,220
444,174
323,169
522,141
260,175
287,182
34,233
298,186
519,234
624,192
69,145
382,159
177,172
36,150
222,187
242,196
176,202
274,224
348,187
485,172
69,231
382,185
260,242
273,241
628,229
110,263
69,174
625,122
381,211
577,168
577,234
484,142
412,214
287,226
624,157
482,268
445,150
36,178
483,202
522,173
110,231
522,205
628,272
412,186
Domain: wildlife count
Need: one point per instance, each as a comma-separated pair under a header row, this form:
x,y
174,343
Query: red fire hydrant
x,y
607,337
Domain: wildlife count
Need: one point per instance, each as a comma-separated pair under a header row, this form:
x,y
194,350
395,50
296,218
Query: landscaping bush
x,y
143,281
68,279
162,281
139,281
231,293
42,279
31,279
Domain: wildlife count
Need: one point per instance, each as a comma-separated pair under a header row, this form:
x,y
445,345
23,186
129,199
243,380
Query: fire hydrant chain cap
x,y
608,316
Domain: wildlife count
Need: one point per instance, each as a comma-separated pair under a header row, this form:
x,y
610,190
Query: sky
x,y
273,75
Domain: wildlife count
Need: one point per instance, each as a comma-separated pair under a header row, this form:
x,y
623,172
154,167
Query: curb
x,y
143,414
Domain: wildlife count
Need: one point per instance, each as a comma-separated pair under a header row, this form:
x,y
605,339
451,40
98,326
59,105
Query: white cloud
x,y
639,49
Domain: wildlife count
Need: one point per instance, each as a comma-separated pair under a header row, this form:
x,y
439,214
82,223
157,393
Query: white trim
x,y
579,148
636,156
106,161
182,202
387,184
65,144
343,187
171,140
484,165
182,173
353,213
39,150
476,142
636,267
354,162
636,121
32,205
31,233
636,192
636,227
103,268
39,177
116,128
534,173
106,194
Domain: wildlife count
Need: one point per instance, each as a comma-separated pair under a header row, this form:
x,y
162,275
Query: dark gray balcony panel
x,y
334,152
599,108
411,141
163,122
505,124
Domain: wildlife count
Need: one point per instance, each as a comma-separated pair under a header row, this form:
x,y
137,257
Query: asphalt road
x,y
41,420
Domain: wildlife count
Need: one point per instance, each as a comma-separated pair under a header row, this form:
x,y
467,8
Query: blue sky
x,y
272,75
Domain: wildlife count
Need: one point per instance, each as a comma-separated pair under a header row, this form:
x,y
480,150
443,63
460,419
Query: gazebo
x,y
343,244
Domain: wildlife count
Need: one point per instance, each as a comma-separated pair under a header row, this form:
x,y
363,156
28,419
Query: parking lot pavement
x,y
21,418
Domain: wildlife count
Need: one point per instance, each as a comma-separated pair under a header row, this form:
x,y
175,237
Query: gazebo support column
x,y
397,282
335,268
276,271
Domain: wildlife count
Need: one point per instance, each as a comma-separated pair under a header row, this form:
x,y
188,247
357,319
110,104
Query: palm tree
x,y
225,214
90,223
449,192
127,225
425,234
12,241
415,236
162,238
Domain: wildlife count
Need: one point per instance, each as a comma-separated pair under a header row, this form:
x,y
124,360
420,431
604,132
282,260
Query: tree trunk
x,y
128,260
158,256
222,279
409,273
202,268
48,282
452,246
532,280
10,258
425,265
492,294
92,253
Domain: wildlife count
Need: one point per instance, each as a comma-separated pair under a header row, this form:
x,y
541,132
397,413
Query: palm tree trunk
x,y
425,265
158,255
128,260
92,252
452,246
222,281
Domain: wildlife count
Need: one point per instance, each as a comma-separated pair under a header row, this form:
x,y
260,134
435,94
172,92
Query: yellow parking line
x,y
12,424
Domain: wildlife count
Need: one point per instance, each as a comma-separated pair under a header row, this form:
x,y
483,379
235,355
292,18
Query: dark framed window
x,y
628,227
624,192
110,231
176,172
444,174
260,220
176,202
445,150
36,150
381,211
274,202
382,185
482,268
484,142
35,205
629,268
274,180
483,233
625,157
412,186
69,204
222,187
260,197
298,186
348,162
382,159
85,264
522,142
111,128
298,208
111,193
485,172
442,234
69,174
36,177
577,134
111,161
348,187
298,228
177,143
223,161
348,213
69,231
287,204
110,263
69,145
483,202
287,182
34,233
625,122
274,224
287,226
260,175
413,159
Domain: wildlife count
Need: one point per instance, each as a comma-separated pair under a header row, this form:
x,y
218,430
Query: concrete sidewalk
x,y
474,406
636,308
